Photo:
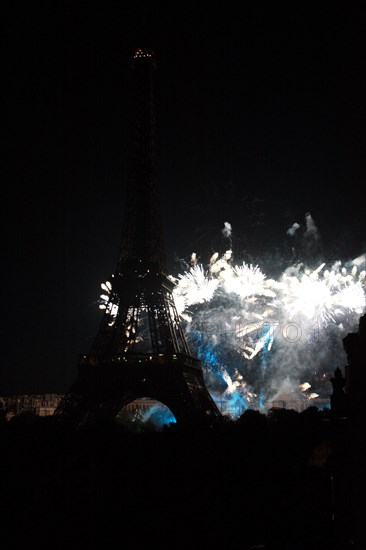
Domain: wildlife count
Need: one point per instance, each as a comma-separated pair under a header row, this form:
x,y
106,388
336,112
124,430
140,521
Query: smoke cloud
x,y
260,338
226,231
292,230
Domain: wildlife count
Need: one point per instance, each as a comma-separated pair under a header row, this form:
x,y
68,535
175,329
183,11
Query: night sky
x,y
260,119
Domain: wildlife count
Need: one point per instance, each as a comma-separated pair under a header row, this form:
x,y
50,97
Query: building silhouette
x,y
355,347
38,404
338,399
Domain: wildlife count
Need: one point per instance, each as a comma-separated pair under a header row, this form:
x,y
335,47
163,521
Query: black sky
x,y
261,118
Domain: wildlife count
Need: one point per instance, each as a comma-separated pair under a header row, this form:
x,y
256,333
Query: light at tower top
x,y
140,53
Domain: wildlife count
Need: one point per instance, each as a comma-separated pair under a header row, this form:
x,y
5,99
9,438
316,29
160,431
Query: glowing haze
x,y
261,339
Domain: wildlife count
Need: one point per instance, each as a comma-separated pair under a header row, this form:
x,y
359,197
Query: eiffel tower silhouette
x,y
140,349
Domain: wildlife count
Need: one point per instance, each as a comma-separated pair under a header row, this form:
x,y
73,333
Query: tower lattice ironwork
x,y
140,349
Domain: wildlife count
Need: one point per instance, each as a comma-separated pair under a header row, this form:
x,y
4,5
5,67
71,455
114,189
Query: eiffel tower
x,y
140,349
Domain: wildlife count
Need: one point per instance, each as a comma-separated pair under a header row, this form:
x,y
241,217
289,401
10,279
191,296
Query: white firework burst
x,y
323,295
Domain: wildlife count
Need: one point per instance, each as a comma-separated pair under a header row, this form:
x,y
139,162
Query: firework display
x,y
261,338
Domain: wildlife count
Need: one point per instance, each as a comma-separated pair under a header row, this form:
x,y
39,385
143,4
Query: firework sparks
x,y
256,335
259,337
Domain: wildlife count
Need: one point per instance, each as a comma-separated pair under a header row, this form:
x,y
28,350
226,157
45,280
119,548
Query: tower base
x,y
102,389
